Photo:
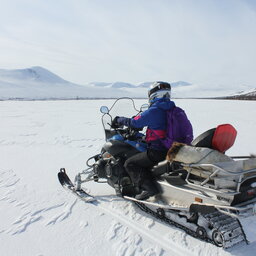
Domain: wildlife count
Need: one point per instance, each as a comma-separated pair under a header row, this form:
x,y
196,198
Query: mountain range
x,y
39,83
244,95
140,85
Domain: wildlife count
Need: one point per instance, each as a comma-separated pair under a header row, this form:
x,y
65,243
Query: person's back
x,y
155,119
179,128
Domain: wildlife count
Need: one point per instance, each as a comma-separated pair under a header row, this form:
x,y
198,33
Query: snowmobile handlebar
x,y
128,133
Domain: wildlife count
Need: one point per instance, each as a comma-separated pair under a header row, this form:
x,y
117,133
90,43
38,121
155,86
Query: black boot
x,y
118,190
148,189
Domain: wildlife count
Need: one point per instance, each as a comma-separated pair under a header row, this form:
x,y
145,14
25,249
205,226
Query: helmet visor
x,y
159,94
159,86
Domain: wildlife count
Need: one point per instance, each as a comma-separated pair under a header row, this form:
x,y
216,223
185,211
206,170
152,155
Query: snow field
x,y
38,217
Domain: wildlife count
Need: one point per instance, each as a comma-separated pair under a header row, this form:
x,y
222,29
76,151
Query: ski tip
x,y
62,170
63,178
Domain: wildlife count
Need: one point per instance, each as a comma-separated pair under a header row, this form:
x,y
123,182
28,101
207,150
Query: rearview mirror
x,y
104,110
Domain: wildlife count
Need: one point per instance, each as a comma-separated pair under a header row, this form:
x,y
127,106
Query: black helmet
x,y
159,90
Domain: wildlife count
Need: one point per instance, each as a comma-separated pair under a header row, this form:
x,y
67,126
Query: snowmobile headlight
x,y
107,155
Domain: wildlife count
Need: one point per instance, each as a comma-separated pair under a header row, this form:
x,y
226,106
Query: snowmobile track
x,y
221,226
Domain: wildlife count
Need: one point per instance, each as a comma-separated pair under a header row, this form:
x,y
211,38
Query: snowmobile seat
x,y
172,173
176,179
204,140
220,138
165,167
160,168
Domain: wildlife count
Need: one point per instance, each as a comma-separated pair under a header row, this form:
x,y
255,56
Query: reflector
x,y
199,200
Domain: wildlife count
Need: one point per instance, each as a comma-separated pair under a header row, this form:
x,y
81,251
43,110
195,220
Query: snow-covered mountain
x,y
247,95
180,83
140,85
40,83
113,85
36,74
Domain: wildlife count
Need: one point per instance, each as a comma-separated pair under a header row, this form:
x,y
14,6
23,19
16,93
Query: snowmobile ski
x,y
68,184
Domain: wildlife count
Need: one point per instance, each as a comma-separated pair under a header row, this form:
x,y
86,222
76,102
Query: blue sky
x,y
208,42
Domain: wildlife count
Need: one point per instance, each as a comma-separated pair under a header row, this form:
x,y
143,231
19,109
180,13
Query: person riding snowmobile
x,y
155,118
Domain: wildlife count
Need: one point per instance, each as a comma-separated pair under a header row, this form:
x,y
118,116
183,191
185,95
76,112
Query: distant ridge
x,y
180,83
32,74
39,83
249,95
140,85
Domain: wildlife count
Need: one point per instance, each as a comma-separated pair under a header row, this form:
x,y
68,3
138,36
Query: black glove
x,y
114,123
137,129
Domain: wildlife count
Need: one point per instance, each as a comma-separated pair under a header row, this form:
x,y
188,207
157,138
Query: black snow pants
x,y
138,166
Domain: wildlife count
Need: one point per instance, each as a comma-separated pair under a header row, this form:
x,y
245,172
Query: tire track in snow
x,y
128,243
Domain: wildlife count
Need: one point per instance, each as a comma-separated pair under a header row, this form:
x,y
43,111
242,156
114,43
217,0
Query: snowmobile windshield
x,y
121,107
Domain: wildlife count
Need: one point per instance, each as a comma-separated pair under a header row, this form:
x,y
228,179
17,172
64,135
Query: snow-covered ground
x,y
39,218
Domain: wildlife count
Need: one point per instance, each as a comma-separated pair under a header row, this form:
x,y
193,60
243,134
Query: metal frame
x,y
78,180
236,211
218,169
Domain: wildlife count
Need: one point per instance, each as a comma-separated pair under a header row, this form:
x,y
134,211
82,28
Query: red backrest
x,y
224,137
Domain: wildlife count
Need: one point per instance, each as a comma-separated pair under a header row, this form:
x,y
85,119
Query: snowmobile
x,y
203,191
